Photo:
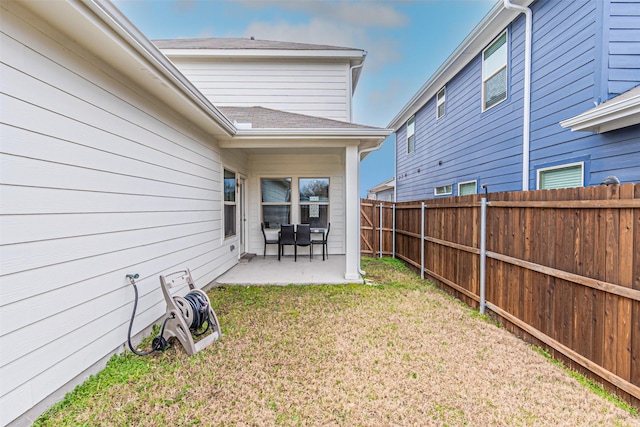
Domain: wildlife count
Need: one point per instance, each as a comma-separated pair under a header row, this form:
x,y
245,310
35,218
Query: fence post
x,y
422,243
380,230
393,254
483,254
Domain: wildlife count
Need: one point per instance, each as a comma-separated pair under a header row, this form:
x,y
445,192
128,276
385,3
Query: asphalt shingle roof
x,y
266,118
240,43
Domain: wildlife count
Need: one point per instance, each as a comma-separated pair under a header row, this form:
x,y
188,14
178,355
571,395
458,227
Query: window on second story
x,y
441,99
494,73
411,135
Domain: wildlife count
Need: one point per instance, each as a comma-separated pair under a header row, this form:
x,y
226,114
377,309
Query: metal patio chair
x,y
303,238
268,241
287,236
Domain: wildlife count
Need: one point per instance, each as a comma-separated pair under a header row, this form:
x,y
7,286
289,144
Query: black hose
x,y
159,343
200,308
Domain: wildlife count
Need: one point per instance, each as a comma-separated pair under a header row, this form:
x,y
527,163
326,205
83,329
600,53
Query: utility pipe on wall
x,y
422,242
393,250
527,90
483,254
381,206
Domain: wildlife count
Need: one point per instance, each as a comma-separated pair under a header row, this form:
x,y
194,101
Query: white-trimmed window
x,y
443,190
411,134
466,188
441,101
314,201
276,201
563,176
494,72
229,203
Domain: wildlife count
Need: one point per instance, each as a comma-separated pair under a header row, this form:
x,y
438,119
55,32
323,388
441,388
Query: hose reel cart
x,y
184,312
186,315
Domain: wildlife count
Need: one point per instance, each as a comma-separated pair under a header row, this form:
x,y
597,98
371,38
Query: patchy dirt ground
x,y
396,354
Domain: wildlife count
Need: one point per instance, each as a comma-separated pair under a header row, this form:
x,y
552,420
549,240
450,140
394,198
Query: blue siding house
x,y
541,94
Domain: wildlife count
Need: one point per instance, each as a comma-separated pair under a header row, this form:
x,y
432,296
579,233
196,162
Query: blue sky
x,y
406,41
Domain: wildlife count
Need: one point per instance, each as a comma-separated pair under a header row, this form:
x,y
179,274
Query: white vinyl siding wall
x,y
299,166
97,182
308,87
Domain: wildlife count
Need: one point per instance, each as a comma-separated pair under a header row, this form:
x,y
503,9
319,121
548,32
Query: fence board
x,y
625,272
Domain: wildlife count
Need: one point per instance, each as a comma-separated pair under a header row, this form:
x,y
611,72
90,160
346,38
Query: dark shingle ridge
x,y
266,118
240,43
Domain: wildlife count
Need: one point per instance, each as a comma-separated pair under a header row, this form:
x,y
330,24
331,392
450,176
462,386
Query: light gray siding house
x,y
385,191
113,162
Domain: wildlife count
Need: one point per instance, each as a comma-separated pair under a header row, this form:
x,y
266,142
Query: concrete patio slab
x,y
270,271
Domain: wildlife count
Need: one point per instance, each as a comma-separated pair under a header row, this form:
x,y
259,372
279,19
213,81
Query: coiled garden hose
x,y
200,308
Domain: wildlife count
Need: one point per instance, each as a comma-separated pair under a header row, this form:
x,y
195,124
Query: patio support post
x,y
393,253
352,214
380,223
422,243
483,254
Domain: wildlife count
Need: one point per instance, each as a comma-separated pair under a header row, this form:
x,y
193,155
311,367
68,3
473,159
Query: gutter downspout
x,y
526,127
351,87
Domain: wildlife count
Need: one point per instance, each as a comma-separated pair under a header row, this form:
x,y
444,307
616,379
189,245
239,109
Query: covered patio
x,y
292,168
270,271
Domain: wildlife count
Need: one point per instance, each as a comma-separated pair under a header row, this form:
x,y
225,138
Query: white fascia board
x,y
305,138
491,25
357,55
312,134
616,113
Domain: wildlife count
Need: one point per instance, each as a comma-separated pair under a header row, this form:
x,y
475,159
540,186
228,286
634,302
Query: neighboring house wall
x,y
312,87
622,18
299,166
467,144
565,83
98,180
386,195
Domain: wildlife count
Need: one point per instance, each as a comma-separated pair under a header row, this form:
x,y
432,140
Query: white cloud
x,y
367,13
360,13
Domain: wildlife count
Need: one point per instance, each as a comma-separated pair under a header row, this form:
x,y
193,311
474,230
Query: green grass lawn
x,y
394,351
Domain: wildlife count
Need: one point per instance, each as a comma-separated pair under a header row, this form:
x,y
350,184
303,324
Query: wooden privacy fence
x,y
561,267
